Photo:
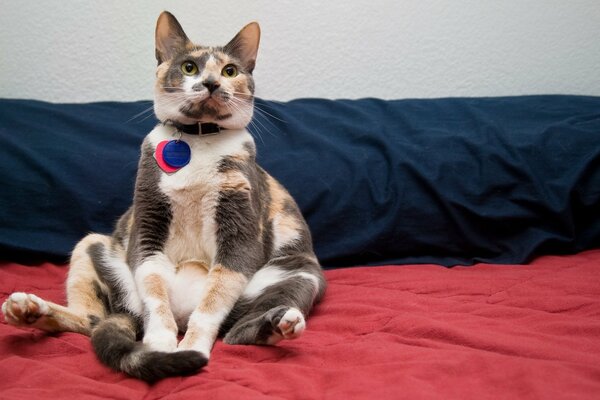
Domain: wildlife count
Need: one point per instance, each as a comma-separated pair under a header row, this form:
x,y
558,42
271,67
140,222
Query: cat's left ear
x,y
169,37
244,45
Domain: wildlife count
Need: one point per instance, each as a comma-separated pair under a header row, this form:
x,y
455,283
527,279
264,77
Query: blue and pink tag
x,y
172,155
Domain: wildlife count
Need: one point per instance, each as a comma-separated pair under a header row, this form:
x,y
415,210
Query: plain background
x,y
80,51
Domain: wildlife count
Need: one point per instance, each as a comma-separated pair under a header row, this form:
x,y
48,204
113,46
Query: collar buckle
x,y
207,128
199,128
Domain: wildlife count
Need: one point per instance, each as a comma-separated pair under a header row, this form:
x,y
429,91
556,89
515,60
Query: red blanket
x,y
486,331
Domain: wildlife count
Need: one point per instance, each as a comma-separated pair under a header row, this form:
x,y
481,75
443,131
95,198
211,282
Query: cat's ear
x,y
244,45
169,37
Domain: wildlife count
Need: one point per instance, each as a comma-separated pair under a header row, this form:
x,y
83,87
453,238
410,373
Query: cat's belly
x,y
191,248
192,231
186,290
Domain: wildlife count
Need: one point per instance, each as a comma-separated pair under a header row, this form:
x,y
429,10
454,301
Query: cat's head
x,y
204,84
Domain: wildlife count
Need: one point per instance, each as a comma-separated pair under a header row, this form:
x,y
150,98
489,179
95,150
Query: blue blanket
x,y
445,181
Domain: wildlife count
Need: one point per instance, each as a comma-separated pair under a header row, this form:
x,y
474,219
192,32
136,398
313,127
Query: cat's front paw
x,y
22,309
194,340
161,341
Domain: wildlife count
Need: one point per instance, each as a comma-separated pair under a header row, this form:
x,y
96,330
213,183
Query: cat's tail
x,y
114,341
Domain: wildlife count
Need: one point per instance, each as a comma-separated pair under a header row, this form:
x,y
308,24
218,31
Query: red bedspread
x,y
381,333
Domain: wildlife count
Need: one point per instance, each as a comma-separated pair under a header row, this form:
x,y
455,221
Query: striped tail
x,y
114,343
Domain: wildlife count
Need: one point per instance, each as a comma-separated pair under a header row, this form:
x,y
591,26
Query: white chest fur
x,y
194,189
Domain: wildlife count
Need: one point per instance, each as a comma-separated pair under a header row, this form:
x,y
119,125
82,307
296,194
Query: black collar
x,y
202,128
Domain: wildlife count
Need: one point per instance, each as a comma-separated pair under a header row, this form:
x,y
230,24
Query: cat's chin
x,y
219,113
233,123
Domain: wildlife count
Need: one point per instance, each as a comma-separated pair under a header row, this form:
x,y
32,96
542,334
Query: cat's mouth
x,y
206,109
217,99
219,107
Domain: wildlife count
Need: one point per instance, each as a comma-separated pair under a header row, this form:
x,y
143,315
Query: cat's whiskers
x,y
169,99
256,121
260,112
233,107
257,126
265,115
151,108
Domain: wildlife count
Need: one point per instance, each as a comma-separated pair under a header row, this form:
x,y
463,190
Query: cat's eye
x,y
189,68
230,71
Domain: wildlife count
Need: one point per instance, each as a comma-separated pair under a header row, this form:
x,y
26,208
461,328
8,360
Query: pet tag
x,y
171,155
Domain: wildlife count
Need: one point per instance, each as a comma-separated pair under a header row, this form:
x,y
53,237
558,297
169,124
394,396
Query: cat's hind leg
x,y
28,310
269,314
86,302
270,327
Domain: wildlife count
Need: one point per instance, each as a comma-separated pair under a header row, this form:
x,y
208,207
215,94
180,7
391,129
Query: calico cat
x,y
212,245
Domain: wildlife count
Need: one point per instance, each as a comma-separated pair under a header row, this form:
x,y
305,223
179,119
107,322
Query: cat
x,y
212,244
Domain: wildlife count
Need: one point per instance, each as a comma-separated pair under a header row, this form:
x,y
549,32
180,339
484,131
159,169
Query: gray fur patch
x,y
114,300
152,210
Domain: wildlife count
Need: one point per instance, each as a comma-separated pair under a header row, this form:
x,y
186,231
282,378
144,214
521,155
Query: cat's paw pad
x,y
292,324
24,309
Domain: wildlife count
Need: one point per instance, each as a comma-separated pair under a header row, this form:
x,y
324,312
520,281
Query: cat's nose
x,y
211,85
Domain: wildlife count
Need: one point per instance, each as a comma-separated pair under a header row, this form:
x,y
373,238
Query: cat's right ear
x,y
169,37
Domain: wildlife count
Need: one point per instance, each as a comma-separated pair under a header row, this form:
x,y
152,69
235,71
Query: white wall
x,y
76,51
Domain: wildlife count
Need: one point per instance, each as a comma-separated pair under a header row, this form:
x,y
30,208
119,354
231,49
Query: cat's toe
x,y
23,309
292,324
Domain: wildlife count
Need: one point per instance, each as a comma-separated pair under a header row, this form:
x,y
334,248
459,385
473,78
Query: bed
x,y
460,238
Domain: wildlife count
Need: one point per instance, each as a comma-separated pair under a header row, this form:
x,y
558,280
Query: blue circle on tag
x,y
176,153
